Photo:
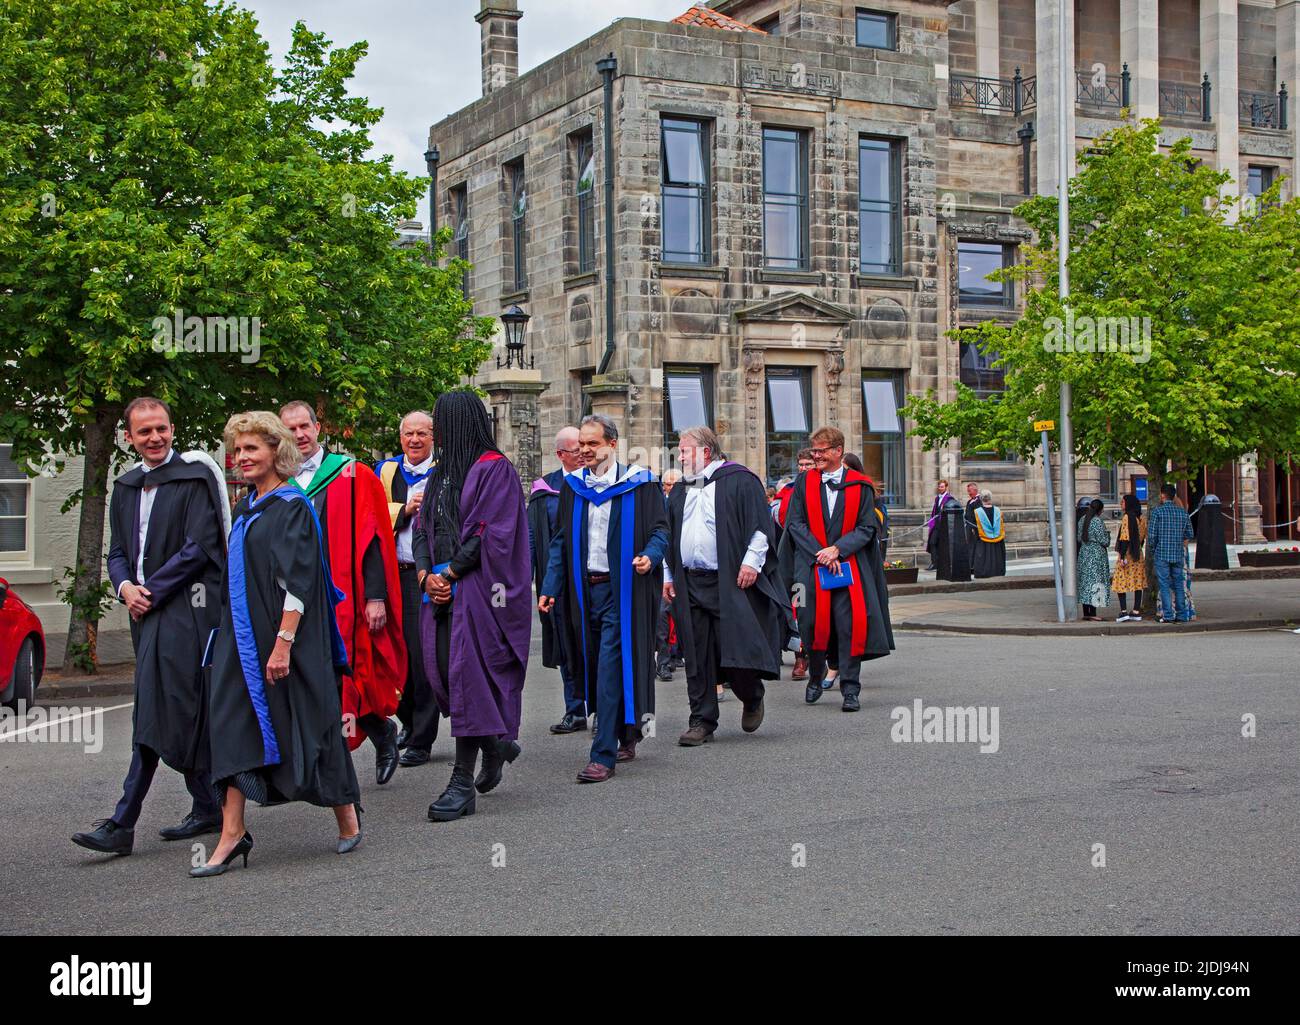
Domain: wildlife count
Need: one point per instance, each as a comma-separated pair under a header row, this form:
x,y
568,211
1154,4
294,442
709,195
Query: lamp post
x,y
1064,146
431,158
515,322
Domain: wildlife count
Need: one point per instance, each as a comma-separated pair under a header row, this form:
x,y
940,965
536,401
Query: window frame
x,y
23,554
801,200
518,194
697,193
890,21
893,444
460,214
704,373
894,205
795,440
585,199
1007,300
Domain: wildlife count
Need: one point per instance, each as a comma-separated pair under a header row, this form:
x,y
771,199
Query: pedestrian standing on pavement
x,y
274,707
1168,531
720,574
941,500
1131,571
989,557
605,564
543,508
1094,562
972,503
167,550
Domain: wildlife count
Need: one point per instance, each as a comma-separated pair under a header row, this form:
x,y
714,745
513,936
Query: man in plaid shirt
x,y
1167,531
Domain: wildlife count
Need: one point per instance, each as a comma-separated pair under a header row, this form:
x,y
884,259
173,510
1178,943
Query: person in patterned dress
x,y
1094,562
1130,572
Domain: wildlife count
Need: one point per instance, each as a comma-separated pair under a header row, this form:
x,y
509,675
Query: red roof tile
x,y
707,17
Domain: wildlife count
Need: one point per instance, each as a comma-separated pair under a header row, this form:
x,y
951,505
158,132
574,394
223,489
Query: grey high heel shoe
x,y
244,847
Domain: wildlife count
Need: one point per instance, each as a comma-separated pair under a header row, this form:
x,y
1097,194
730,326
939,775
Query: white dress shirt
x,y
831,493
405,551
146,507
309,467
699,545
598,520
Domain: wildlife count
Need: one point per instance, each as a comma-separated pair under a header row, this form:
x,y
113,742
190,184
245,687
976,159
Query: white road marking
x,y
56,722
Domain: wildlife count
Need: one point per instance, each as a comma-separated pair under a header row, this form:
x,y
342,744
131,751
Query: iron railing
x,y
1186,101
1000,95
1262,110
1110,92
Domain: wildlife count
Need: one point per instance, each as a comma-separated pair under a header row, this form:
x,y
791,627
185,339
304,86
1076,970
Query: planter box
x,y
901,576
1269,558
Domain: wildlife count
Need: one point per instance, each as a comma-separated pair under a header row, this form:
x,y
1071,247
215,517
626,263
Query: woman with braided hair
x,y
476,620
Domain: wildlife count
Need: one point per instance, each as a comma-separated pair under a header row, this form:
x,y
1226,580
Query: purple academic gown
x,y
492,610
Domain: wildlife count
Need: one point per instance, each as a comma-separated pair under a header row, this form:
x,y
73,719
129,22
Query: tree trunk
x,y
90,533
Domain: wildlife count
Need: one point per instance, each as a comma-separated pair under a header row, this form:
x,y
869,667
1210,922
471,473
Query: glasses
x,y
823,451
567,451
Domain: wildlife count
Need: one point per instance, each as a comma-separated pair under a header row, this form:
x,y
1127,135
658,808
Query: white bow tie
x,y
831,478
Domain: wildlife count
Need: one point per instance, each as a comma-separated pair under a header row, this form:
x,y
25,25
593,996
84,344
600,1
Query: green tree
x,y
1217,298
154,163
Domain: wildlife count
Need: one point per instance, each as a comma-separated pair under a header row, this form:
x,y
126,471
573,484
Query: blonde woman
x,y
273,707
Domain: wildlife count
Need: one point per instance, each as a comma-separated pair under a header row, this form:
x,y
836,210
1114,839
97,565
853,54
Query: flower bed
x,y
1262,557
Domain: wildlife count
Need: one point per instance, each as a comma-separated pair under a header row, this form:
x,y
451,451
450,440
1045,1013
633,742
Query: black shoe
x,y
190,826
403,737
107,838
456,800
813,691
412,757
570,724
386,752
495,755
851,703
244,847
664,675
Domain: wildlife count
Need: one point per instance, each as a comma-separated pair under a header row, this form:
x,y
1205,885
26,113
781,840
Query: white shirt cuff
x,y
292,603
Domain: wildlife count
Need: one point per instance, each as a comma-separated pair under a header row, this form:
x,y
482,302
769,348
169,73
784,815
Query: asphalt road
x,y
1135,743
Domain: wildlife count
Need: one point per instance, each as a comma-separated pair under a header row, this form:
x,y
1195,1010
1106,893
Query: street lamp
x,y
515,321
431,158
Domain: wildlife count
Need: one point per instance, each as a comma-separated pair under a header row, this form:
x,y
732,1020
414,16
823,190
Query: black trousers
x,y
706,631
417,710
664,652
144,763
838,646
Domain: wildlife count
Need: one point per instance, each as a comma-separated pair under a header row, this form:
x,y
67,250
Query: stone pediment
x,y
795,306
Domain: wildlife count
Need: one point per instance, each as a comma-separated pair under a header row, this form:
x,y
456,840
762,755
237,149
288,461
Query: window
x,y
785,198
880,222
585,163
1260,179
978,373
580,379
882,438
460,216
878,30
772,26
685,188
789,419
14,489
975,262
1108,483
518,222
688,402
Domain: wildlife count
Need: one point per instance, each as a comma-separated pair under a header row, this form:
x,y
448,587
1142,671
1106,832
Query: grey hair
x,y
706,437
607,425
986,497
416,412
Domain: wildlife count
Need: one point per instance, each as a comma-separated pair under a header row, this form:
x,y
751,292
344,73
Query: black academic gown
x,y
303,710
859,541
647,592
756,622
185,554
540,504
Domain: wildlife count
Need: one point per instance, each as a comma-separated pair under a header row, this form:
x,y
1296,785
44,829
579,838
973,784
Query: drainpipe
x,y
1026,136
608,68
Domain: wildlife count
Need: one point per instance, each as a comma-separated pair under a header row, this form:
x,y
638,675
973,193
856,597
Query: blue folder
x,y
833,581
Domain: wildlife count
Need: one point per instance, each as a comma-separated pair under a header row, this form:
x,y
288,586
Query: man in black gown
x,y
167,550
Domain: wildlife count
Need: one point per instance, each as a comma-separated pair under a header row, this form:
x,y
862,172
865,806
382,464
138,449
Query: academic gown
x,y
185,554
757,621
638,595
280,741
543,507
491,608
988,557
859,542
363,560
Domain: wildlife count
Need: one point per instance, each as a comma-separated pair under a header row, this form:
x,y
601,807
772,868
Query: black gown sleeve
x,y
372,572
467,556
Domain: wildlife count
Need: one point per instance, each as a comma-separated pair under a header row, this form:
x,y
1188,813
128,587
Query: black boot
x,y
495,755
383,734
457,799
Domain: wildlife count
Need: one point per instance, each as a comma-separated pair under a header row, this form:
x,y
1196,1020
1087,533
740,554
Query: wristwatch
x,y
285,635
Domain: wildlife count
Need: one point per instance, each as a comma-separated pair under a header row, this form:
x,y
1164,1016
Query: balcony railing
x,y
1262,110
1111,92
1186,101
1000,95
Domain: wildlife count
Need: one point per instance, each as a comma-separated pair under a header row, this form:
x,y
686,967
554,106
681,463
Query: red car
x,y
22,648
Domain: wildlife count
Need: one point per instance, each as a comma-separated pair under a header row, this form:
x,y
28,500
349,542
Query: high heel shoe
x,y
244,847
349,843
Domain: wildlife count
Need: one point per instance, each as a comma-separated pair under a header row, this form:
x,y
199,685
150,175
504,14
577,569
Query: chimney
x,y
499,19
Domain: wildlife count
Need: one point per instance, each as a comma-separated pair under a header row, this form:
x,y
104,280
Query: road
x,y
1132,742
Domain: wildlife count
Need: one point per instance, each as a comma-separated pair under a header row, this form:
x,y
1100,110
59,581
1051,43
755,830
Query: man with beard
x,y
404,479
357,530
731,607
168,520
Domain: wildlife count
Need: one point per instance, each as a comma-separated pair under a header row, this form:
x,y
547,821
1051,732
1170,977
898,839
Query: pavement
x,y
820,823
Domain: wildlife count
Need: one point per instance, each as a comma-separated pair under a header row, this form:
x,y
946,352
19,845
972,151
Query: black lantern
x,y
516,325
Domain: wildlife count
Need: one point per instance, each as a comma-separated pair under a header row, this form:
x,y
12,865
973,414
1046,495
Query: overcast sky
x,y
424,54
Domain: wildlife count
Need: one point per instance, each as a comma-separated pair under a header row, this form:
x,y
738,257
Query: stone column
x,y
988,60
512,398
753,362
1250,513
1049,27
1288,70
1219,56
500,42
1139,48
